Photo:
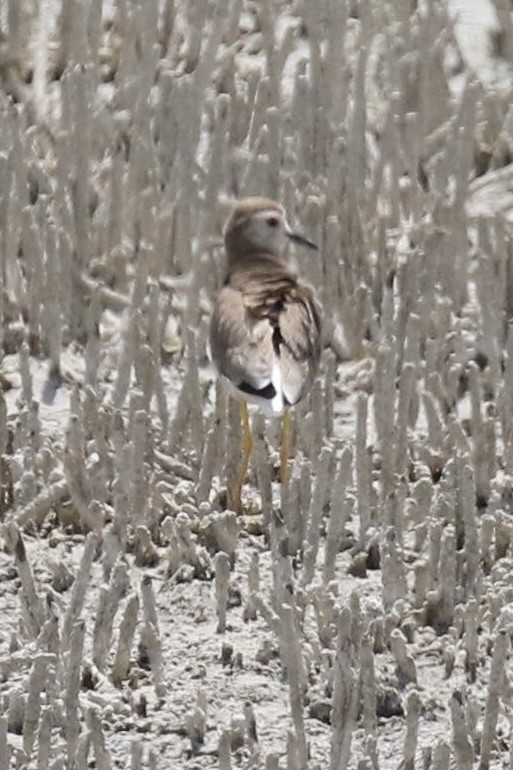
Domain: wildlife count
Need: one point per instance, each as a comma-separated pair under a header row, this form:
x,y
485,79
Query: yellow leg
x,y
286,440
235,489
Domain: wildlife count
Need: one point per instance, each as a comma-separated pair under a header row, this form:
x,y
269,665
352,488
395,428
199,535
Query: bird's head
x,y
259,225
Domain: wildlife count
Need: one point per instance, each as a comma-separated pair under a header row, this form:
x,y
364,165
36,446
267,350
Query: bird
x,y
266,325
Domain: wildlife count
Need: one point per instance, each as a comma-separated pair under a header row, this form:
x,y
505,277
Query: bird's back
x,y
266,333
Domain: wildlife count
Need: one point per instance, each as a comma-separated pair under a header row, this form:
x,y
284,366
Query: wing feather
x,y
300,346
241,346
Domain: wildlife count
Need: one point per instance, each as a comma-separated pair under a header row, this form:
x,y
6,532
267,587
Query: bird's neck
x,y
259,264
261,277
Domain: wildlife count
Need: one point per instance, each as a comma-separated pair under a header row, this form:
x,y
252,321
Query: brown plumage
x,y
265,333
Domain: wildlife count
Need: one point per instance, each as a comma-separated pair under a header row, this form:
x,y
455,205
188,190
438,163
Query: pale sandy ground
x,y
187,621
192,648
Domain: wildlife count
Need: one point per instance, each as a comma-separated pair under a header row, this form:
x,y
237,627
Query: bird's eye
x,y
273,221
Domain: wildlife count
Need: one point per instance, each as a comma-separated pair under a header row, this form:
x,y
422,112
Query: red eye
x,y
273,221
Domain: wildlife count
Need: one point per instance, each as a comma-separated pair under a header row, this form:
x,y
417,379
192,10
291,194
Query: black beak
x,y
302,240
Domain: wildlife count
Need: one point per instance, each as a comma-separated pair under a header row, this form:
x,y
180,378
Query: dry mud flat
x,y
362,617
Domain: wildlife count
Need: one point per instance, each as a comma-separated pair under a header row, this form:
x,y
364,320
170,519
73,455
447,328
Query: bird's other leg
x,y
286,440
235,488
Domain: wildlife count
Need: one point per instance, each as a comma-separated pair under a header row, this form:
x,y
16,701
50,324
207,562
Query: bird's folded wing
x,y
242,347
300,344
